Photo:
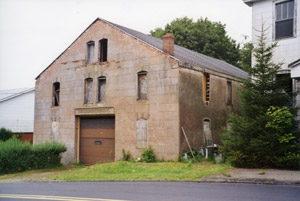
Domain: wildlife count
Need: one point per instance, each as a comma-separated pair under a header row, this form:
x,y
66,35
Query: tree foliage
x,y
264,133
203,36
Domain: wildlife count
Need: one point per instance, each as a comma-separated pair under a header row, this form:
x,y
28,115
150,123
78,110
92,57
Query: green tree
x,y
203,36
263,134
5,134
246,55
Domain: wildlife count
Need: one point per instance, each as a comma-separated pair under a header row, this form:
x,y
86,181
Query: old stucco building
x,y
115,88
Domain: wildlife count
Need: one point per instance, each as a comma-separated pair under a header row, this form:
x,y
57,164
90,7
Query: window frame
x,y
139,74
99,99
55,91
86,100
294,20
103,43
90,59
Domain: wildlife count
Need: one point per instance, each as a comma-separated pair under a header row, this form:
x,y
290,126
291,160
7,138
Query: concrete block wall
x,y
126,57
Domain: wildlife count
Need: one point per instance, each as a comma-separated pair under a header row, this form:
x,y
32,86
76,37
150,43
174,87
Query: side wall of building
x,y
288,49
126,57
194,111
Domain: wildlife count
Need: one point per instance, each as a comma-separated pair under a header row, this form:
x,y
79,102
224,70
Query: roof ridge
x,y
17,94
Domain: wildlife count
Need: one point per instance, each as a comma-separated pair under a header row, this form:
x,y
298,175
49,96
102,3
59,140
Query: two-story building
x,y
115,88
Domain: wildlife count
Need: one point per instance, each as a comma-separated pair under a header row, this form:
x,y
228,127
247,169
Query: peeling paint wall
x,y
193,109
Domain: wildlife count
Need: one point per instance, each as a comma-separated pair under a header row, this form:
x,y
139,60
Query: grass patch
x,y
262,173
130,171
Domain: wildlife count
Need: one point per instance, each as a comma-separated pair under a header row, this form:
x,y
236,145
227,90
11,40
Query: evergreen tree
x,y
263,134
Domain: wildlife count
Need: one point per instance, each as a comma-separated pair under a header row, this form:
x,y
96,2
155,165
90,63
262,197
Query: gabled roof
x,y
182,54
294,64
12,93
250,2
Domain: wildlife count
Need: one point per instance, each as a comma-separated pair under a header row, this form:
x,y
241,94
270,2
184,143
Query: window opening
x,y
103,50
101,88
141,133
56,90
142,85
207,135
229,92
284,20
206,87
88,91
90,52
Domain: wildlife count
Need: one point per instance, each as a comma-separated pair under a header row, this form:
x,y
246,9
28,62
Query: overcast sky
x,y
34,32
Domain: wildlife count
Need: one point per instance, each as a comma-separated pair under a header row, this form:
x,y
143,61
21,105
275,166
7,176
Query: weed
x,y
262,173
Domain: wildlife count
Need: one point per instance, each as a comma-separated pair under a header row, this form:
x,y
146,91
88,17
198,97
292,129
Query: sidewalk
x,y
258,176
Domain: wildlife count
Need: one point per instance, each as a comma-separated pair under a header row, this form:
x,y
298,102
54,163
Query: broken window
x,y
101,88
88,91
142,85
90,52
141,133
55,92
229,93
206,87
207,135
284,20
103,49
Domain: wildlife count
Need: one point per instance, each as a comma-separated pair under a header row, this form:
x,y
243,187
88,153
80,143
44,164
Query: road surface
x,y
147,191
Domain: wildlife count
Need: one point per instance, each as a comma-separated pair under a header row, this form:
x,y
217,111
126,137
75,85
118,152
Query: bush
x,y
16,156
126,155
148,155
5,134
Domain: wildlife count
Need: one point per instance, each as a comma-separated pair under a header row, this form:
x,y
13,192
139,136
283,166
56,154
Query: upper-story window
x,y
103,50
142,85
88,96
90,52
101,88
55,94
206,87
284,19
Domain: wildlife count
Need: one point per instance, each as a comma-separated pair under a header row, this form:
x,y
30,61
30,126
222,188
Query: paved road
x,y
147,191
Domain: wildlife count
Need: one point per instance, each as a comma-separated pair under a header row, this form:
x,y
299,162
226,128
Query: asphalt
x,y
257,176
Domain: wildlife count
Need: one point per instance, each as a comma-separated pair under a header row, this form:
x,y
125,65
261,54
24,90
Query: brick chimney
x,y
168,43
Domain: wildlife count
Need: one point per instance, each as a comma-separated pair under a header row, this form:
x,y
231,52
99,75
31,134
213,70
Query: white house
x,y
282,19
17,110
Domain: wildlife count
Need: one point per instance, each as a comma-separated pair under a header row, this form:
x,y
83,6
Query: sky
x,y
34,32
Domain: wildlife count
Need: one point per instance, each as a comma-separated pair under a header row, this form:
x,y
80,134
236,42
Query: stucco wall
x,y
193,110
288,49
126,57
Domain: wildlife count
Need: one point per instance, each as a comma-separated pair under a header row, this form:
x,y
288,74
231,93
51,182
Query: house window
x,y
103,49
207,135
88,98
142,85
229,93
55,94
284,19
141,133
90,52
101,88
206,87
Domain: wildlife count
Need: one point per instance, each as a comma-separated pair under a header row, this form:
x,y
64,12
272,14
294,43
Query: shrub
x,y
148,155
16,156
126,155
5,134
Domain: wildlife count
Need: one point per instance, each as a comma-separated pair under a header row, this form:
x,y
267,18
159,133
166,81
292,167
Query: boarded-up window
x,y
101,89
88,91
55,92
141,133
207,135
229,93
206,87
142,85
103,49
90,52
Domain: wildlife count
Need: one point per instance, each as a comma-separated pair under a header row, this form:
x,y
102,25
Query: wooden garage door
x,y
97,140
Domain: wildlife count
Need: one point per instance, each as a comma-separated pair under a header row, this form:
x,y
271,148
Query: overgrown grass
x,y
130,171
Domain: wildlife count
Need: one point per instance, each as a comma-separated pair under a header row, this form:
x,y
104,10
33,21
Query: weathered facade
x,y
115,88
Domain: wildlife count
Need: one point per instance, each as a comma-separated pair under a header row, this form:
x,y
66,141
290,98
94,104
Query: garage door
x,y
97,140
